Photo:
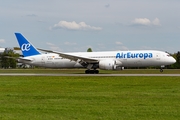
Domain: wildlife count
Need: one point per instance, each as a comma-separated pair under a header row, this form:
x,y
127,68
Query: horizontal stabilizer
x,y
25,60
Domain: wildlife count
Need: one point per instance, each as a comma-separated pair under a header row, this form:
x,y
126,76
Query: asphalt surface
x,y
45,74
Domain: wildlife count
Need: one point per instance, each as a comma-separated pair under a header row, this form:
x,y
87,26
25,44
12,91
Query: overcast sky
x,y
103,25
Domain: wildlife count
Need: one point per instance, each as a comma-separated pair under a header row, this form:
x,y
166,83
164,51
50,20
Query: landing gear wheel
x,y
161,70
91,71
96,71
87,71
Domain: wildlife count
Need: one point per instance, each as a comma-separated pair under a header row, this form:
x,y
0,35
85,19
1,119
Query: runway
x,y
45,74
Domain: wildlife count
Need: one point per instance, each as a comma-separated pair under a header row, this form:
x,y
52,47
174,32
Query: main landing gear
x,y
92,71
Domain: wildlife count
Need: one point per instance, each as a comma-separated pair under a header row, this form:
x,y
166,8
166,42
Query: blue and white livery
x,y
108,60
134,55
26,47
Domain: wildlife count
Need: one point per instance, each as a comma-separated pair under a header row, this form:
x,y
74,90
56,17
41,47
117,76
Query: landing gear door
x,y
43,60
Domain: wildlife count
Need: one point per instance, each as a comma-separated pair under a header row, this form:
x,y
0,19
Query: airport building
x,y
2,50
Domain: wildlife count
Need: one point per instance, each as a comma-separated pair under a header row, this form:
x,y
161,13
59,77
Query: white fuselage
x,y
138,58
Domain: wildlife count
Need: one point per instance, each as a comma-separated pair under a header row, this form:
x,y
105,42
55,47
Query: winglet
x,y
26,47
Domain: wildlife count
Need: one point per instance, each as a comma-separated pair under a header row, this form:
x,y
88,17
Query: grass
x,y
81,71
100,98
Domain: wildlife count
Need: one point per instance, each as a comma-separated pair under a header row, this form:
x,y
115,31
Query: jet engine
x,y
109,64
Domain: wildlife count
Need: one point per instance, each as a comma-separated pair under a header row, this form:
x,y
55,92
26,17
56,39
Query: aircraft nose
x,y
172,61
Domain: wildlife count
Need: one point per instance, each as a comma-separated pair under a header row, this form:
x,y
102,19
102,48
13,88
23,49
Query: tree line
x,y
177,64
8,59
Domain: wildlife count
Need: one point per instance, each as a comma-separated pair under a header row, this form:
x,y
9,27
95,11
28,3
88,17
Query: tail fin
x,y
26,47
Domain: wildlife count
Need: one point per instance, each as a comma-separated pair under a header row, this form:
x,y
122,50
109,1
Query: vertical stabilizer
x,y
26,47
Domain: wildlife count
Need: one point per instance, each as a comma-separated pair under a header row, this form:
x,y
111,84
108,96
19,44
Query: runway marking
x,y
45,74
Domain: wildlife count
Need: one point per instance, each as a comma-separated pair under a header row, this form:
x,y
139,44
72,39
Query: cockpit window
x,y
168,55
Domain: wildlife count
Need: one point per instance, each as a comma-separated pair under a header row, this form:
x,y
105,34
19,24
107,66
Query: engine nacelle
x,y
109,64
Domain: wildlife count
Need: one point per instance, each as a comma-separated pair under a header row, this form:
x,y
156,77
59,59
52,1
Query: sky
x,y
103,25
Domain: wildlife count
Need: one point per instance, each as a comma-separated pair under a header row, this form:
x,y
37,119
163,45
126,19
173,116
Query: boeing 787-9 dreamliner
x,y
106,60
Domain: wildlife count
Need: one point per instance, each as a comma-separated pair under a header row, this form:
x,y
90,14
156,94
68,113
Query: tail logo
x,y
25,47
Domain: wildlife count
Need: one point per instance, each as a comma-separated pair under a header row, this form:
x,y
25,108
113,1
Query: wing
x,y
79,59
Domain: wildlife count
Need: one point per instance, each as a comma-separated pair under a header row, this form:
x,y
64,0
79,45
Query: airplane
x,y
106,60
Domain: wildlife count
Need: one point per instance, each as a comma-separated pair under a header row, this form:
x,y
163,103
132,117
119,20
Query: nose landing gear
x,y
161,69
